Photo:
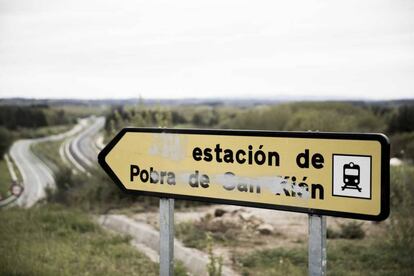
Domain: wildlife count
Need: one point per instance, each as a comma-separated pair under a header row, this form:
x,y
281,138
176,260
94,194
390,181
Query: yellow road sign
x,y
337,174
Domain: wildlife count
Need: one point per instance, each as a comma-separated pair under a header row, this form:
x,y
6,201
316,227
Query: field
x,y
52,240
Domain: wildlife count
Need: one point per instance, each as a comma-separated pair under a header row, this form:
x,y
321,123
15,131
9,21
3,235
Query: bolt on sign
x,y
335,174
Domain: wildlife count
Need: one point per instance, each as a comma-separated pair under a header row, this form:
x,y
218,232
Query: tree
x,y
5,141
403,121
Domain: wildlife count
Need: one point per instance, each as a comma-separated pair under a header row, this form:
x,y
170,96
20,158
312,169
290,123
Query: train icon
x,y
351,176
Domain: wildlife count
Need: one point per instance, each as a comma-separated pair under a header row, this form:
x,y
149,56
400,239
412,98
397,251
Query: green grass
x,y
5,179
49,153
344,257
273,262
191,235
52,240
197,235
41,131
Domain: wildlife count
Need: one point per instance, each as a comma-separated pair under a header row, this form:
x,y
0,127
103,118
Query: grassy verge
x,y
195,236
5,179
236,229
345,257
52,240
49,153
41,131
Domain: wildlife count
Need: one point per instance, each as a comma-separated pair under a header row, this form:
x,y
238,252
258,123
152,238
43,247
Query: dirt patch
x,y
239,230
290,228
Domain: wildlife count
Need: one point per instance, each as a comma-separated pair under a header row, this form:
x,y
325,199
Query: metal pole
x,y
166,237
317,245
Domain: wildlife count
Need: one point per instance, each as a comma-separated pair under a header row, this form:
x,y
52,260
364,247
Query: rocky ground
x,y
248,229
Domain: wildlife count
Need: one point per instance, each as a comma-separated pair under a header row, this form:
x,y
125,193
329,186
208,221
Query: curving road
x,y
36,175
82,150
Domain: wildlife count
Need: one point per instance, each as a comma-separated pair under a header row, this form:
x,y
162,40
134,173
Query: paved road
x,y
36,175
82,150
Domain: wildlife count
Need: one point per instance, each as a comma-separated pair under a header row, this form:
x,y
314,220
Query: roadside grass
x,y
350,250
348,254
192,236
48,152
23,133
344,257
196,236
272,262
55,240
5,179
200,234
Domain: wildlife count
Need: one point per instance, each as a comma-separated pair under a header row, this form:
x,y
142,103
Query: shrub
x,y
5,141
215,264
352,230
401,222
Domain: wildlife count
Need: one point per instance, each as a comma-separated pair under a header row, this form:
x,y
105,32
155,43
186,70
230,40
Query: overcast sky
x,y
200,49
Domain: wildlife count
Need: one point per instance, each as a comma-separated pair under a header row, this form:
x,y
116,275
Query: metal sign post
x,y
166,237
317,245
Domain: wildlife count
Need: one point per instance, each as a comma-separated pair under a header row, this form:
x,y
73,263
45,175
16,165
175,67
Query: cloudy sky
x,y
200,49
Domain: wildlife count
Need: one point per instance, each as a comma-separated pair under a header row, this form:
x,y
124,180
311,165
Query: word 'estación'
x,y
250,156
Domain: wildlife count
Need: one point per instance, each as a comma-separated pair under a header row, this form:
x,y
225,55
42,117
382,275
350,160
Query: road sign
x,y
16,189
336,174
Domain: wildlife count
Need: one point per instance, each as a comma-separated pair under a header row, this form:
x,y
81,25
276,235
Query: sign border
x,y
381,138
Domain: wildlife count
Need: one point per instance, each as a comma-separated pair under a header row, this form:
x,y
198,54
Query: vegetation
x,y
273,262
308,116
345,257
370,255
49,153
402,120
215,264
15,117
41,131
5,141
401,227
96,193
191,235
403,145
31,121
390,254
52,240
120,117
226,232
350,230
5,179
396,121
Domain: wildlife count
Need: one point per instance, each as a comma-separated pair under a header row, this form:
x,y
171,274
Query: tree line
x,y
15,118
395,121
